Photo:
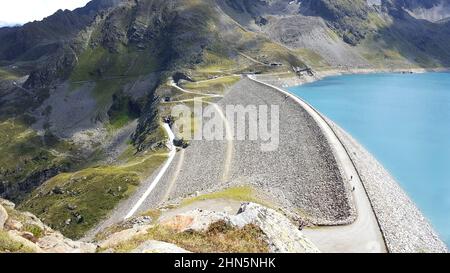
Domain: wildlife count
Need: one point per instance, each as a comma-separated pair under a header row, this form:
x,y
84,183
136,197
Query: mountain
x,y
80,90
433,10
32,40
296,24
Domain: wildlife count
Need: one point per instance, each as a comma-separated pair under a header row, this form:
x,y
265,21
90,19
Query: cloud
x,y
15,12
8,24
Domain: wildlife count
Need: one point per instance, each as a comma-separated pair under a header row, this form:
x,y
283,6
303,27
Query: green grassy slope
x,y
26,155
75,202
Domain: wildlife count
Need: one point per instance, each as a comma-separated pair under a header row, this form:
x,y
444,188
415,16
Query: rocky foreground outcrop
x,y
252,225
24,232
277,231
281,235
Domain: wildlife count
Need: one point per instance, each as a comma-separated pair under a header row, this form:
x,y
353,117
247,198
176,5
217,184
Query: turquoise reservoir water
x,y
404,121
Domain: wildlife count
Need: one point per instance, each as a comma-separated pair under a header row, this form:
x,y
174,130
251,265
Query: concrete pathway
x,y
160,174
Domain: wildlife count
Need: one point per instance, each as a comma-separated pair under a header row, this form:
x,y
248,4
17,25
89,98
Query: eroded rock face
x,y
433,12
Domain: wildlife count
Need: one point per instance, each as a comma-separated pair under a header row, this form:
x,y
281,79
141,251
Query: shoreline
x,y
291,79
403,225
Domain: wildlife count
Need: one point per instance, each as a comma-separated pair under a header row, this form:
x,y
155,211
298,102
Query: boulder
x,y
17,237
197,220
71,207
12,224
139,221
261,21
282,235
55,242
3,216
57,190
179,223
158,247
123,236
34,220
7,204
29,236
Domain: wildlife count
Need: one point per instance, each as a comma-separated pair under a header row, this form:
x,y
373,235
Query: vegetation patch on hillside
x,y
111,71
313,58
100,63
24,154
241,193
73,203
7,75
215,85
220,237
279,54
215,61
122,111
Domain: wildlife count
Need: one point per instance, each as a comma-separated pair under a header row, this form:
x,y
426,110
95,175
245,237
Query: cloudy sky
x,y
23,11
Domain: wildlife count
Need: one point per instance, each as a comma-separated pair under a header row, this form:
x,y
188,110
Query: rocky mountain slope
x,y
432,10
80,91
349,33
